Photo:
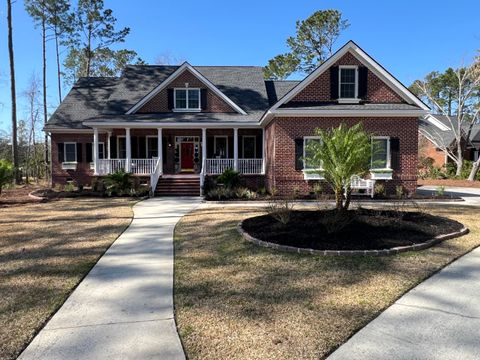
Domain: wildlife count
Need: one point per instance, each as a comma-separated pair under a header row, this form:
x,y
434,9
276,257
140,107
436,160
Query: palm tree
x,y
340,154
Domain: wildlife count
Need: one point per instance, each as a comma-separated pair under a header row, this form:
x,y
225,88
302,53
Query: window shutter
x,y
113,147
395,153
259,141
298,154
134,145
142,147
203,98
61,155
240,147
88,152
362,82
210,149
334,82
170,99
79,152
230,147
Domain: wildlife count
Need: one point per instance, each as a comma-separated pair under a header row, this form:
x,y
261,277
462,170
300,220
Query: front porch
x,y
167,151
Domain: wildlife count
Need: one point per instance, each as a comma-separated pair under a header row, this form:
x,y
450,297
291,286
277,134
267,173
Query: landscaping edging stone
x,y
385,252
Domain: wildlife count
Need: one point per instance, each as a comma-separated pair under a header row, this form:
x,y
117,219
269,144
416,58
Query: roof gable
x,y
185,67
353,50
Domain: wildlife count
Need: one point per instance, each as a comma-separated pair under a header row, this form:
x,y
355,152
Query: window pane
x,y
379,153
193,99
70,152
101,151
152,148
180,99
309,153
122,148
221,147
249,147
347,83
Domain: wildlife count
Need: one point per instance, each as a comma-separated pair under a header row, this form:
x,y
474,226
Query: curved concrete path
x,y
123,309
470,195
439,319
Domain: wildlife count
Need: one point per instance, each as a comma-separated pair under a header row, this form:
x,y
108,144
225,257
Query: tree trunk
x,y
348,197
13,93
59,75
44,80
475,168
459,161
339,199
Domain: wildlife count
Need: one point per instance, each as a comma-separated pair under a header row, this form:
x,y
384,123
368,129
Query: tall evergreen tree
x,y
312,44
13,92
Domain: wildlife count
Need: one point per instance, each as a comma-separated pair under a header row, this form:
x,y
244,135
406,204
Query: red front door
x,y
187,156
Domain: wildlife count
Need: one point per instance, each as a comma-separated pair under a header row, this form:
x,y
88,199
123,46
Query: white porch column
x,y
204,150
263,152
160,149
95,151
109,136
235,149
128,160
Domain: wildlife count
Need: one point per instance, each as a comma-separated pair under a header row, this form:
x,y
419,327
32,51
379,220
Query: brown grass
x,y
449,182
45,250
238,301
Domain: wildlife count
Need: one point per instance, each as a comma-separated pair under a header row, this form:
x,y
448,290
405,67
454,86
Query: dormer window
x,y
348,84
187,99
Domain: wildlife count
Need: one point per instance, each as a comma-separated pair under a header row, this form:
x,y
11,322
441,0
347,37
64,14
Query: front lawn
x,y
235,300
45,250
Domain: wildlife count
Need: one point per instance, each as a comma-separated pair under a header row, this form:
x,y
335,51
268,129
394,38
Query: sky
x,y
409,38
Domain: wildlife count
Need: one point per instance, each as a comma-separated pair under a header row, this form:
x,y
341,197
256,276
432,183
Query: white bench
x,y
357,183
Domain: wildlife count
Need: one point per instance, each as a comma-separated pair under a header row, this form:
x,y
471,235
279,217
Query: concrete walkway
x,y
439,319
470,195
123,309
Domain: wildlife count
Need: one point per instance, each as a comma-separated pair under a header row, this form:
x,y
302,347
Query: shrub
x,y
280,210
379,189
262,191
6,173
118,183
440,191
229,178
220,193
69,187
400,191
245,193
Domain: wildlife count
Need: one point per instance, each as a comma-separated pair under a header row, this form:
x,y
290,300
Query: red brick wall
x,y
282,132
82,175
319,89
159,103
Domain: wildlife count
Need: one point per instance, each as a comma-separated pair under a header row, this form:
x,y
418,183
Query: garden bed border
x,y
384,252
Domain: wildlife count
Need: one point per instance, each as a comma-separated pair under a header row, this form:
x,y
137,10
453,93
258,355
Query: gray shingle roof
x,y
447,136
276,89
330,106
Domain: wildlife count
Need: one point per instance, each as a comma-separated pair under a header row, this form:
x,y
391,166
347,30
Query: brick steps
x,y
181,186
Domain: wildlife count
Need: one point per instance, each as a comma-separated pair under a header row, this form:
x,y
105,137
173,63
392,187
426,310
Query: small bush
x,y
229,178
245,193
379,189
440,191
400,191
280,210
70,187
262,191
220,193
118,183
6,173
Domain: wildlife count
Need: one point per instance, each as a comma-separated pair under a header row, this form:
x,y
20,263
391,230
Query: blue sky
x,y
409,38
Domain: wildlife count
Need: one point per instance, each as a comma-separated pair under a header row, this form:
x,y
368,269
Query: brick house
x,y
435,133
178,124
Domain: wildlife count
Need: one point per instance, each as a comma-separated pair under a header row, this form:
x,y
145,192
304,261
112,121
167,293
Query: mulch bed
x,y
449,182
361,229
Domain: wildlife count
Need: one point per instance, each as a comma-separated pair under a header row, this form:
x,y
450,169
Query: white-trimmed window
x,y
380,152
249,146
186,99
70,152
220,146
306,141
348,82
152,147
121,147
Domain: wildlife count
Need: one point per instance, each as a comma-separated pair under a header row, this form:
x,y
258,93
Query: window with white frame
x,y
187,99
380,152
348,82
70,152
121,147
307,152
152,147
249,145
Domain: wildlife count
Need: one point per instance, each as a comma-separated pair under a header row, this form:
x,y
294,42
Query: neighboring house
x,y
168,123
436,133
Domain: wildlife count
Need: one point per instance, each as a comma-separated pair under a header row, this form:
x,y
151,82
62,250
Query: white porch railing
x,y
245,166
137,166
155,175
218,166
109,166
250,166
